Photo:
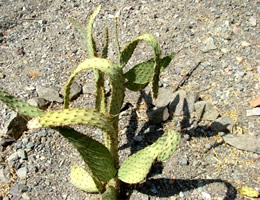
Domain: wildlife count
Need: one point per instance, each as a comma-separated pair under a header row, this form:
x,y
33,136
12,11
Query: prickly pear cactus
x,y
103,172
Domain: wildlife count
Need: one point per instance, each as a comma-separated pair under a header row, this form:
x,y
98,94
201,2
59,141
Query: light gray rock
x,y
222,124
243,142
165,96
22,154
89,88
26,196
179,103
253,112
183,102
183,161
15,126
192,97
209,45
49,94
4,175
22,173
206,111
38,102
18,189
13,157
75,90
159,115
258,69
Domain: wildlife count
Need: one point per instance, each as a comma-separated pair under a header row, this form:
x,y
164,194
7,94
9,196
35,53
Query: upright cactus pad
x,y
169,141
135,168
109,194
115,74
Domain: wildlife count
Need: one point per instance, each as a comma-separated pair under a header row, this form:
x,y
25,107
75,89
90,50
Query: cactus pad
x,y
135,168
129,49
19,106
80,178
113,71
169,141
109,194
95,155
72,116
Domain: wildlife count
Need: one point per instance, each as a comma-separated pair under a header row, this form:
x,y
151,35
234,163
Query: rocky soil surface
x,y
219,40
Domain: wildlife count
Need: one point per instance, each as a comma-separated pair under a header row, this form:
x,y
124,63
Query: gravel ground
x,y
39,46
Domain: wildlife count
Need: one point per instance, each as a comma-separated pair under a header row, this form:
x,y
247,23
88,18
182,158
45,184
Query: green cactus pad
x,y
72,116
95,155
159,66
165,61
80,178
129,49
105,44
81,30
19,106
135,168
90,42
169,141
109,194
135,86
141,73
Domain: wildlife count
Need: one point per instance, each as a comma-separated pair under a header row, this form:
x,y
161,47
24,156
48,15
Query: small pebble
x,y
30,146
184,162
207,146
22,173
22,154
26,196
186,136
138,138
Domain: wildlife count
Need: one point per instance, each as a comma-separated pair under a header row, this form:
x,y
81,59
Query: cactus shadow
x,y
169,187
164,187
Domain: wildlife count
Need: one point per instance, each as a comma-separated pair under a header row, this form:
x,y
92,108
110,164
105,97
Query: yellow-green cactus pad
x,y
115,74
19,106
80,178
129,49
169,141
135,168
72,116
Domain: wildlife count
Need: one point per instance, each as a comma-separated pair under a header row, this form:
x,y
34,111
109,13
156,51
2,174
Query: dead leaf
x,y
33,74
255,102
248,191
